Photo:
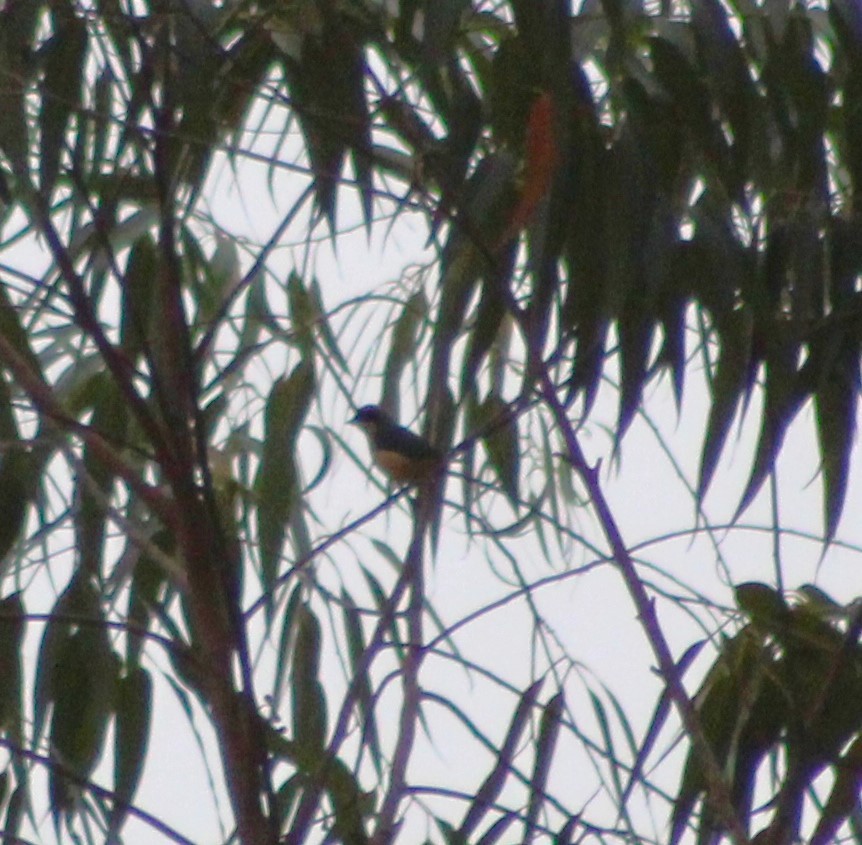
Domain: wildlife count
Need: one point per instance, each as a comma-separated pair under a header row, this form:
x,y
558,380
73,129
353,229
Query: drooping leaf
x,y
402,348
360,678
441,24
131,739
498,427
304,314
728,389
549,730
17,27
145,594
309,701
77,600
277,485
835,404
843,798
327,335
326,81
636,329
728,71
662,711
717,719
16,475
84,684
491,787
62,79
12,628
257,313
490,313
219,278
470,252
498,830
351,804
110,419
285,641
103,94
137,302
783,399
16,808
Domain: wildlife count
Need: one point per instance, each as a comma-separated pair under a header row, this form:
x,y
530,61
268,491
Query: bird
x,y
407,458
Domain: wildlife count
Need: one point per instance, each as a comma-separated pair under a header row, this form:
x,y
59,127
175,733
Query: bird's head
x,y
371,417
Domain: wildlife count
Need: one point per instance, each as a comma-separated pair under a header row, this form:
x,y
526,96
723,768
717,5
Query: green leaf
x,y
19,803
402,347
110,419
843,798
220,278
549,730
763,722
489,319
277,484
608,741
360,679
660,714
77,600
84,684
498,427
326,334
12,626
497,830
257,313
716,714
16,476
728,385
442,19
14,332
327,91
103,93
285,642
784,398
514,81
65,54
148,580
91,238
493,784
694,105
588,298
350,804
131,740
728,72
285,799
636,330
835,404
137,302
304,314
566,834
309,701
17,27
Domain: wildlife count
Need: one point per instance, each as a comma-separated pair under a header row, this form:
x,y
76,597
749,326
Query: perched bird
x,y
404,456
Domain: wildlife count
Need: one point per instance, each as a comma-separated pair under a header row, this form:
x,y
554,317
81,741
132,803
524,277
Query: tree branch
x,y
717,788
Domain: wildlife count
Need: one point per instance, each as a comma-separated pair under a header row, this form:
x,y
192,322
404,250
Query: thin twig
x,y
413,567
100,791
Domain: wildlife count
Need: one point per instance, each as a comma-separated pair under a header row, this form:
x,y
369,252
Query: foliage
x,y
610,195
790,679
